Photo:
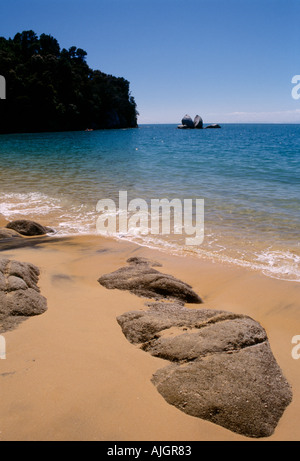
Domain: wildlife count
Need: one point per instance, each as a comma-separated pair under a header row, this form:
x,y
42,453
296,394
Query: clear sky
x,y
226,60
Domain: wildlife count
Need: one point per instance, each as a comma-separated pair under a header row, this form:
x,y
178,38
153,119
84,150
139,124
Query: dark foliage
x,y
49,89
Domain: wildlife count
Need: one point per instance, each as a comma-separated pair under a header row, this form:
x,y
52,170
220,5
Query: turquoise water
x,y
248,176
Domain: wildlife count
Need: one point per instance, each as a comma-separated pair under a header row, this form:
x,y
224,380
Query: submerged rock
x,y
28,228
143,280
222,368
19,294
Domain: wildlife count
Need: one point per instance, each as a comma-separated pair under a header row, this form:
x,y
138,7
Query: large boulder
x,y
187,121
19,293
198,122
222,368
28,228
140,278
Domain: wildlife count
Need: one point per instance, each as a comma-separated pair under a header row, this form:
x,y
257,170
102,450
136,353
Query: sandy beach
x,y
70,374
149,223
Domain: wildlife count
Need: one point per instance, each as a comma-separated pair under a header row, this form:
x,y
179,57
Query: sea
x,y
247,176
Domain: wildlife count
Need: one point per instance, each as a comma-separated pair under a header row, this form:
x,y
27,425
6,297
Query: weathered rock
x,y
141,279
198,122
214,125
222,367
9,234
222,370
244,392
138,260
142,326
187,121
28,228
182,127
184,336
19,294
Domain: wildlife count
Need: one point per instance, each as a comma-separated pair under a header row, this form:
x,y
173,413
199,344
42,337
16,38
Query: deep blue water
x,y
248,176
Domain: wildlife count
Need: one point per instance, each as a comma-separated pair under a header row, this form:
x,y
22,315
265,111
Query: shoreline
x,y
277,262
70,374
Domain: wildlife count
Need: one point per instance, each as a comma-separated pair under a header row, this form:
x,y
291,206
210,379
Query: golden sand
x,y
70,374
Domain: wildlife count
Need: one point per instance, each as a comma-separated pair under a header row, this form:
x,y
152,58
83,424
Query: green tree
x,y
49,89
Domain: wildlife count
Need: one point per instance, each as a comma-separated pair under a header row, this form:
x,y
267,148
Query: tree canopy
x,y
54,89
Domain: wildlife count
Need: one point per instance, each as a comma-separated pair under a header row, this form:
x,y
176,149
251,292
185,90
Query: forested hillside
x,y
54,89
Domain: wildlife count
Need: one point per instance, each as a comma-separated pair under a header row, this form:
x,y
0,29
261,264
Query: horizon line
x,y
225,123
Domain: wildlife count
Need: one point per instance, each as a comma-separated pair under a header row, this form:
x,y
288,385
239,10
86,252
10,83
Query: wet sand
x,y
70,374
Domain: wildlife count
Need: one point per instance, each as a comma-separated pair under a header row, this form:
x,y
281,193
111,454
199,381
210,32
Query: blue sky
x,y
226,60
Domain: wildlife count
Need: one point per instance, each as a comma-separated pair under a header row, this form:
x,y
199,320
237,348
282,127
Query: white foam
x,y
71,219
27,204
280,264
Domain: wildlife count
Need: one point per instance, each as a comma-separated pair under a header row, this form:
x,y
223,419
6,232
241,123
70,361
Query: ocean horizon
x,y
247,174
